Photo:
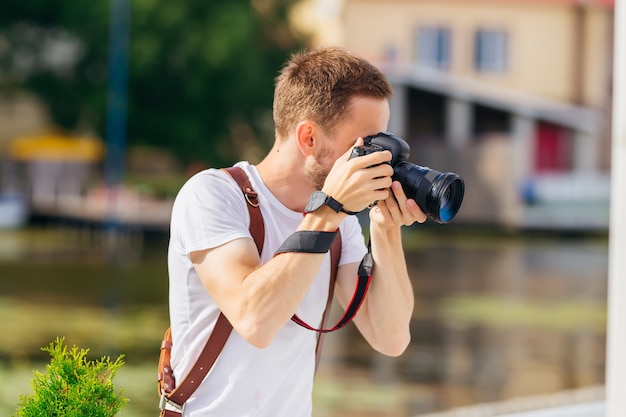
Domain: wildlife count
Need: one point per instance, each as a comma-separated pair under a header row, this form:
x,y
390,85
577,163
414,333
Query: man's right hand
x,y
358,182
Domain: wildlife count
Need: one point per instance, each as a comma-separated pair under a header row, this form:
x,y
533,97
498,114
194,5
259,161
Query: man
x,y
325,102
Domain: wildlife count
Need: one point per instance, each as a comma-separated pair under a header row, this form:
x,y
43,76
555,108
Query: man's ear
x,y
305,137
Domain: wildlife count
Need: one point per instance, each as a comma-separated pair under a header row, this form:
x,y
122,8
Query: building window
x,y
490,50
433,47
489,121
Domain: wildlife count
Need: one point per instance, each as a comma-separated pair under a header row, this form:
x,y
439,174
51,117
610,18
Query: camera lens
x,y
450,198
439,195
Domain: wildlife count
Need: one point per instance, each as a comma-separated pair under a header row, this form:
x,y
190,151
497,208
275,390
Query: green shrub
x,y
72,386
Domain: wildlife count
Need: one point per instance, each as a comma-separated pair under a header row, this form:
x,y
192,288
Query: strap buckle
x,y
251,197
167,404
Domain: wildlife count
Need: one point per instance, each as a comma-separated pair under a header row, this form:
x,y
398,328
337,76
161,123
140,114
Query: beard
x,y
318,168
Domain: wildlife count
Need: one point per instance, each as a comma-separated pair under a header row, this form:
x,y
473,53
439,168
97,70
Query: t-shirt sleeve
x,y
209,211
353,247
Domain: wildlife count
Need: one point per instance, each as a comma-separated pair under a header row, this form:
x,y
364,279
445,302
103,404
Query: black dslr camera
x,y
439,195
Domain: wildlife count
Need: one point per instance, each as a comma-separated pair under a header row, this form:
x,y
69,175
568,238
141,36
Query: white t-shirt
x,y
276,381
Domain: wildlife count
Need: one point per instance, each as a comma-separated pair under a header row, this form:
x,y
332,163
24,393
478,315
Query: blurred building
x,y
41,172
50,167
514,95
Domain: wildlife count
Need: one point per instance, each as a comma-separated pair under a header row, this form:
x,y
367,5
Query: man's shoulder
x,y
211,187
207,180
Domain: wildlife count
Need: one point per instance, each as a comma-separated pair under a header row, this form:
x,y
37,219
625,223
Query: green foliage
x,y
73,386
200,73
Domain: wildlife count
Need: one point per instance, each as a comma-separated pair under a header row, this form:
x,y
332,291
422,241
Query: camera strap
x,y
319,242
363,282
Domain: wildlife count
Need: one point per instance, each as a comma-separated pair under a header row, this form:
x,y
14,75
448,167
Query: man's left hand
x,y
397,210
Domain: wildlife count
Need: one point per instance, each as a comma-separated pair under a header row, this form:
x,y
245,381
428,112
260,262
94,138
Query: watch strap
x,y
337,206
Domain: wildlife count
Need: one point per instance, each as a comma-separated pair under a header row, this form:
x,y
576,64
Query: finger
x,y
391,204
407,217
415,211
380,182
378,157
373,159
381,194
380,171
398,193
410,209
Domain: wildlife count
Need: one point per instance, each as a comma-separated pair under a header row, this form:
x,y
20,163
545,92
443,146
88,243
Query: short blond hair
x,y
318,85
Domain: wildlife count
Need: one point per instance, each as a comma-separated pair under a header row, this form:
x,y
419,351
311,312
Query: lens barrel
x,y
438,194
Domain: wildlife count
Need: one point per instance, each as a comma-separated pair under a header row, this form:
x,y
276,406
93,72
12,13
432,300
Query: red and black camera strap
x,y
308,241
363,282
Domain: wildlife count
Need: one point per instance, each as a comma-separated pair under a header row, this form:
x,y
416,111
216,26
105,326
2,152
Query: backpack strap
x,y
176,396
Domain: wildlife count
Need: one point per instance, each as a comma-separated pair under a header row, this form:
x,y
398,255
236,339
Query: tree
x,y
73,386
200,75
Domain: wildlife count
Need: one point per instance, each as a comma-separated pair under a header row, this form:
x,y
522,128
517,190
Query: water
x,y
496,317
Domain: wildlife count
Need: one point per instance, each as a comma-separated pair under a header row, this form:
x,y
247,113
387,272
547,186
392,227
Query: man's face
x,y
366,116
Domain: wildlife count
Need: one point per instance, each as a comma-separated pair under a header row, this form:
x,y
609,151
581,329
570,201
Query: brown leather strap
x,y
165,378
257,227
223,328
205,361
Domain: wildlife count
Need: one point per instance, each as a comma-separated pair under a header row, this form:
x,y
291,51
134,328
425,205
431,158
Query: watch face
x,y
316,201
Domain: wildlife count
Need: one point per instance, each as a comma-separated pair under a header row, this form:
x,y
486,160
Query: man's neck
x,y
284,176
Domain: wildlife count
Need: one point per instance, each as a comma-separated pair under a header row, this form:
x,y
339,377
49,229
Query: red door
x,y
553,148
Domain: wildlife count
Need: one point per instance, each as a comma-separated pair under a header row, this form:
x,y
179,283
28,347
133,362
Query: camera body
x,y
438,194
398,147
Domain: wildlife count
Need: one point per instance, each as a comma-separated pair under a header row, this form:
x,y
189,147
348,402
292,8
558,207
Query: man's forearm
x,y
260,299
390,300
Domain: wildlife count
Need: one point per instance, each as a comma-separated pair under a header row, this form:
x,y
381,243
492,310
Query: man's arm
x,y
259,299
386,312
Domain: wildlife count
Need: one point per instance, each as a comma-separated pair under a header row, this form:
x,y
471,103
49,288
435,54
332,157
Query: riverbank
x,y
498,315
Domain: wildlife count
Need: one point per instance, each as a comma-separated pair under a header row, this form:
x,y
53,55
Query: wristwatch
x,y
319,198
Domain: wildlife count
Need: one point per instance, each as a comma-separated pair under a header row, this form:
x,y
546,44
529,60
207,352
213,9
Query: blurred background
x,y
107,107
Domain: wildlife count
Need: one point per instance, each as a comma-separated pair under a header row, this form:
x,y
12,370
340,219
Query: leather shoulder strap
x,y
257,226
223,328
